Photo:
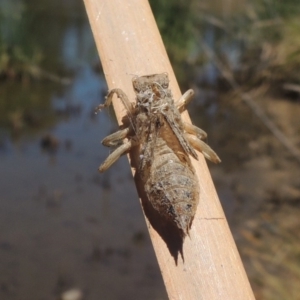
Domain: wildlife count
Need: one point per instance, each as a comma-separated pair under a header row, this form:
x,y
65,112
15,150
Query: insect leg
x,y
108,99
115,155
184,100
202,147
114,138
192,129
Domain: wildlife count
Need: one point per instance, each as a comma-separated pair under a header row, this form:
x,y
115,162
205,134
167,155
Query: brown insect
x,y
165,143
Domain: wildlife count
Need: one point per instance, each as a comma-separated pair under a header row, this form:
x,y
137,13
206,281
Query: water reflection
x,y
63,227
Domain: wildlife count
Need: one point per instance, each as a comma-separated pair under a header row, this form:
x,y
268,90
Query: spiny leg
x,y
114,138
202,147
108,99
115,155
192,129
184,100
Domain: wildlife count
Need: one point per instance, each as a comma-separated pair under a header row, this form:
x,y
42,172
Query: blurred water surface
x,y
62,224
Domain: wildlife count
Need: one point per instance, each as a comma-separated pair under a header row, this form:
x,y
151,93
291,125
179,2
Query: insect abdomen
x,y
172,186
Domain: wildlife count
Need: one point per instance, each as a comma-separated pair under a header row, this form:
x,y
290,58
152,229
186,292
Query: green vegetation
x,y
257,42
18,52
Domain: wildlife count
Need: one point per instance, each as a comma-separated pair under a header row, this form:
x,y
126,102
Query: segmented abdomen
x,y
171,184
